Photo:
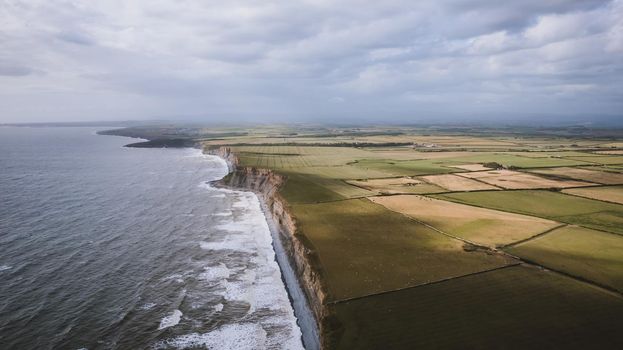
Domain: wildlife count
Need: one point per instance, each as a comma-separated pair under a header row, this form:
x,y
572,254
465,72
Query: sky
x,y
313,60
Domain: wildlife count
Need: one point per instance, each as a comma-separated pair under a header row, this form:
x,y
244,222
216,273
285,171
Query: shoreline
x,y
307,318
304,313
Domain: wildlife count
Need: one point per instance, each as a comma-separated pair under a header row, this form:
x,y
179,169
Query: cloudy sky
x,y
347,60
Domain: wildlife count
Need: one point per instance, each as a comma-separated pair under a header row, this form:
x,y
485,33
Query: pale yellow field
x,y
602,177
517,180
471,167
616,152
479,225
457,183
608,194
613,144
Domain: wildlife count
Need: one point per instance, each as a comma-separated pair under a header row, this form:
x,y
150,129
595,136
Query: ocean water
x,y
105,247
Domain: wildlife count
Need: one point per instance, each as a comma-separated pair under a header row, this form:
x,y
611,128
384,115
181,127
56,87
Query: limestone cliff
x,y
299,250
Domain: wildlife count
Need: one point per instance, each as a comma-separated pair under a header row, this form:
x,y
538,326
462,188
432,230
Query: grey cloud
x,y
75,38
298,59
14,71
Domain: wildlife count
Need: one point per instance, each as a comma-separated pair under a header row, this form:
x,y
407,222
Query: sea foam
x,y
170,320
232,336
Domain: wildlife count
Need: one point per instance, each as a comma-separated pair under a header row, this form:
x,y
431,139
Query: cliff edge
x,y
299,251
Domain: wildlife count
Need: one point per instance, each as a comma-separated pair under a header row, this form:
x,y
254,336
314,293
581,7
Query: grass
x,y
307,189
600,159
294,157
512,308
516,160
608,194
365,248
397,185
594,255
479,225
547,204
602,177
340,172
406,167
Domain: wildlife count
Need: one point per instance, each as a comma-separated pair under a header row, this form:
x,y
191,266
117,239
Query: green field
x,y
518,160
300,188
546,204
289,157
600,159
365,248
405,167
590,254
512,308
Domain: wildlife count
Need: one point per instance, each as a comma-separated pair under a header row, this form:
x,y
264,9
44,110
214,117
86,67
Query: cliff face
x,y
301,254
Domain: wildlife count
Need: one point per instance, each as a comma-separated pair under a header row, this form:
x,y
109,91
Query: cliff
x,y
300,253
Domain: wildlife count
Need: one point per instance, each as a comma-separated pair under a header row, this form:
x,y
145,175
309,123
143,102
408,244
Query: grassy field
x,y
471,167
397,185
590,254
365,248
601,177
512,308
405,167
287,157
305,189
479,225
600,159
546,204
609,194
517,160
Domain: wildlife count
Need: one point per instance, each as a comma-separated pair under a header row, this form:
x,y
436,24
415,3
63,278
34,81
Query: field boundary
x,y
334,302
521,260
534,237
595,199
553,218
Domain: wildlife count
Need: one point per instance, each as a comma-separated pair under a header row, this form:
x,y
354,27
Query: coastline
x,y
291,255
264,184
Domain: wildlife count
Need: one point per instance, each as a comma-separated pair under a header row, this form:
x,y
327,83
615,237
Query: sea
x,y
108,247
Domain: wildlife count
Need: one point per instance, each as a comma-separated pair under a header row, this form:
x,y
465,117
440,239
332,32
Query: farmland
x,y
457,183
516,307
612,194
595,176
594,255
433,237
513,180
396,185
417,244
550,205
386,251
479,225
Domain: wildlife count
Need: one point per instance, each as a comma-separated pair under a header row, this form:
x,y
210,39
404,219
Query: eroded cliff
x,y
300,253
